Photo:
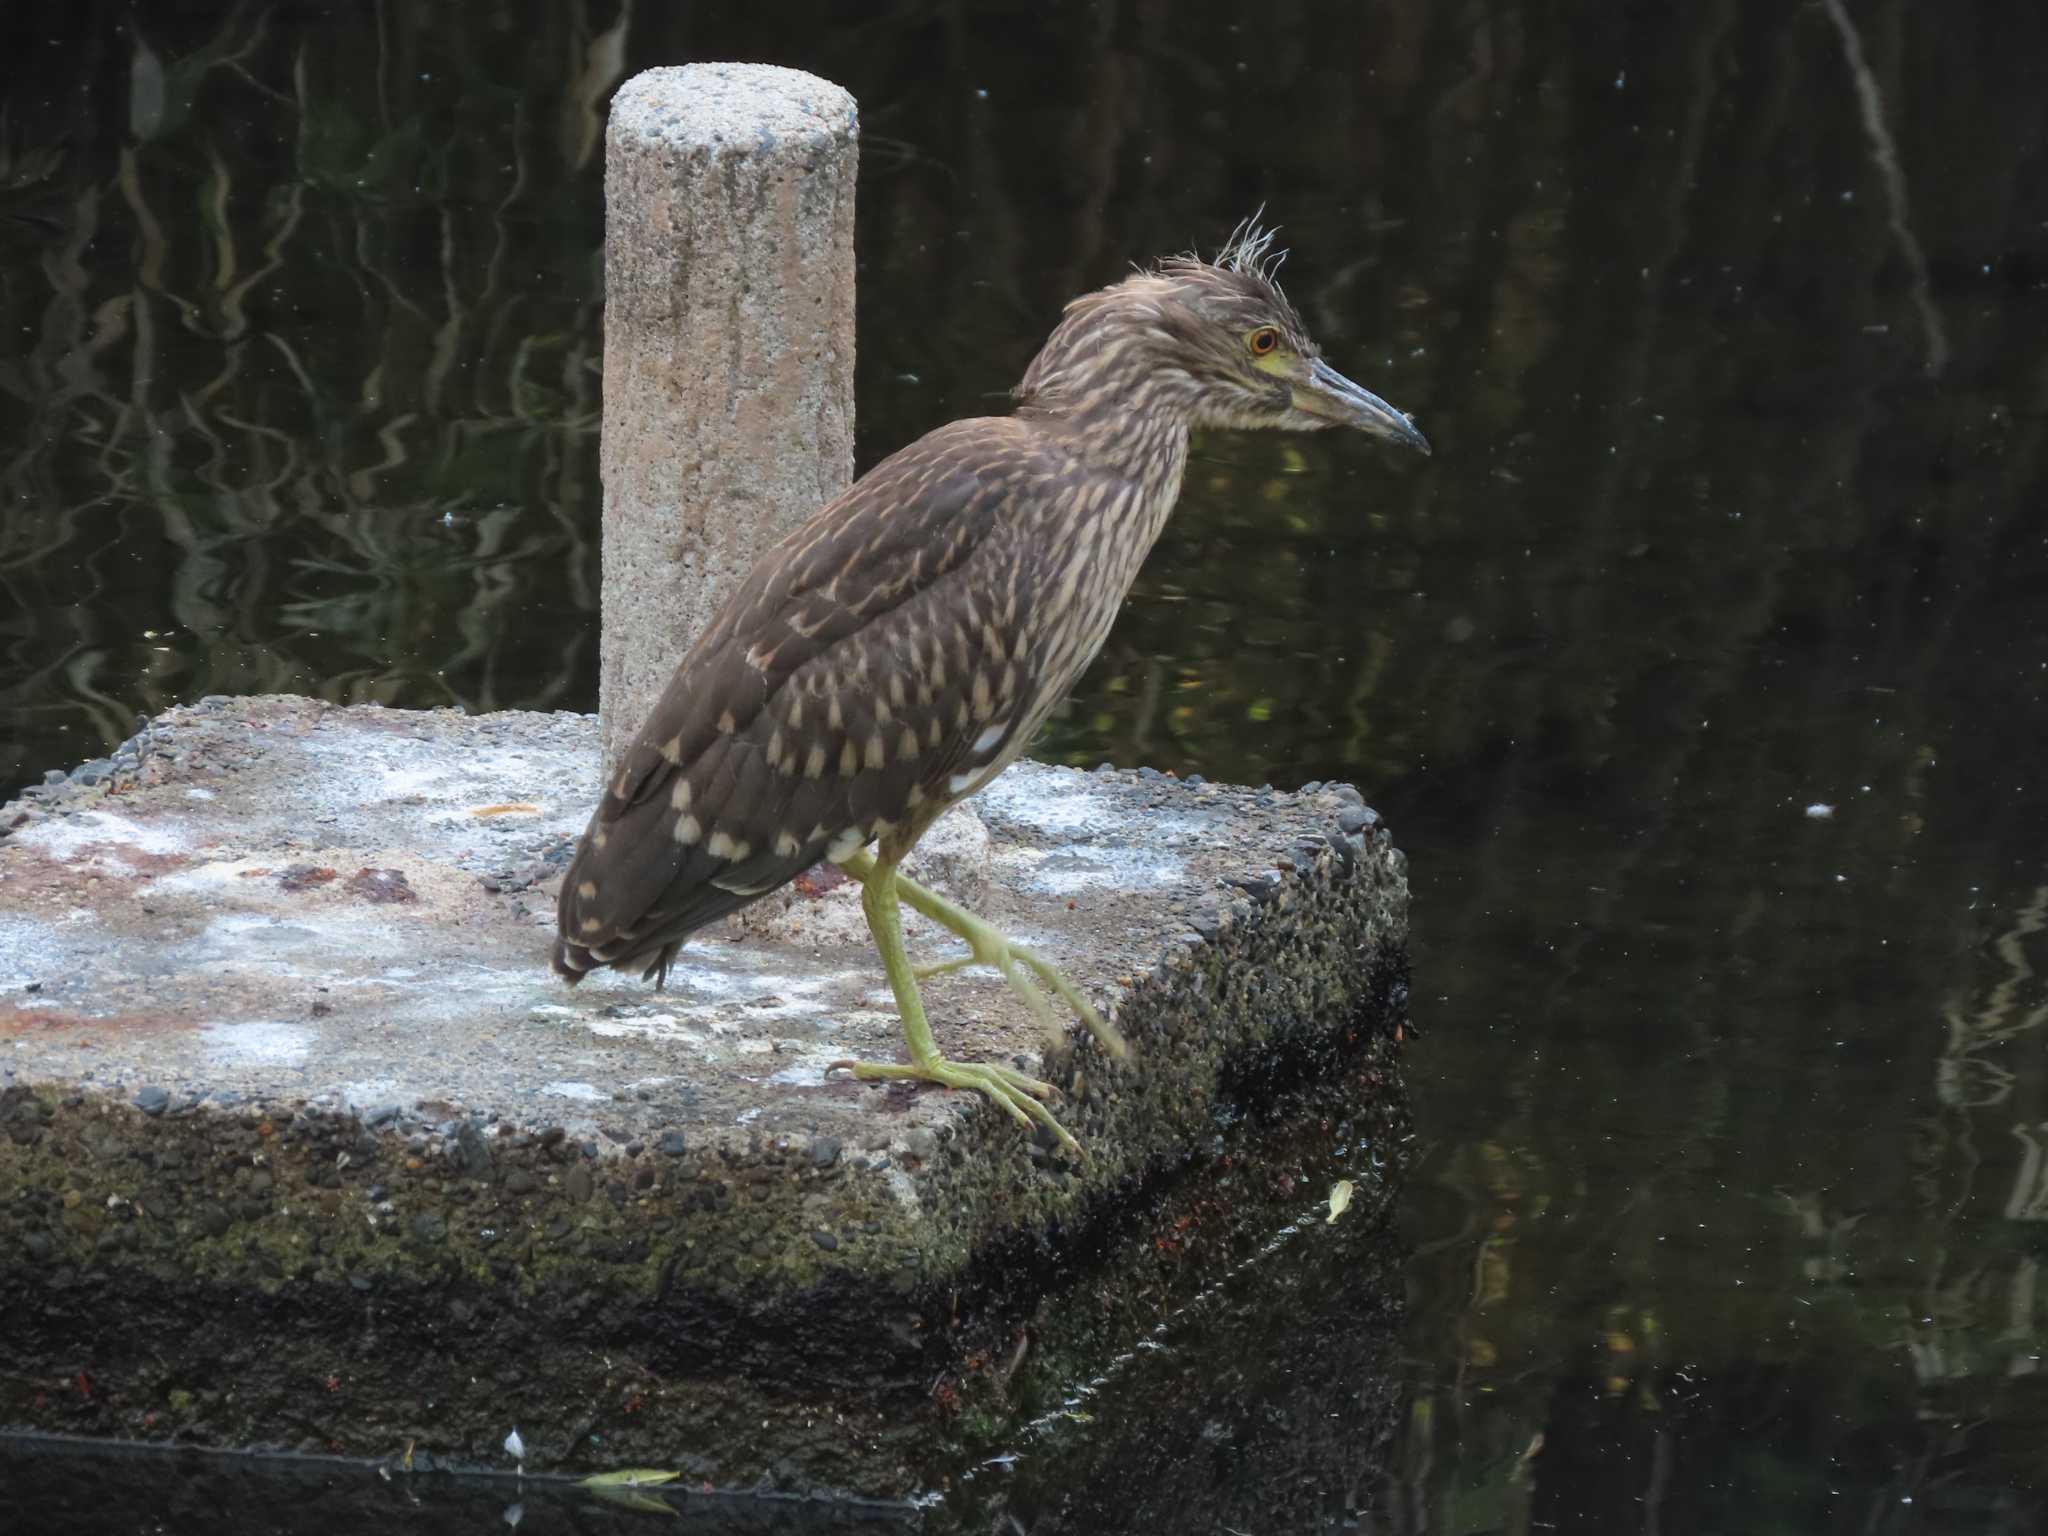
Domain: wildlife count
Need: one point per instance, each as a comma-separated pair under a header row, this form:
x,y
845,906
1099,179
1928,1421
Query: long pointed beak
x,y
1333,397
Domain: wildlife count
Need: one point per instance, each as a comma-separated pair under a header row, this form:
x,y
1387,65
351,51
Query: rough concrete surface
x,y
728,347
300,1143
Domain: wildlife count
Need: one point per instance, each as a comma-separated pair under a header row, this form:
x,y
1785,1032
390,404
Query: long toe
x,y
1019,1096
1103,1031
1021,983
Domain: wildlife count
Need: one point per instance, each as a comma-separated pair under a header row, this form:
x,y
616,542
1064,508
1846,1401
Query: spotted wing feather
x,y
830,697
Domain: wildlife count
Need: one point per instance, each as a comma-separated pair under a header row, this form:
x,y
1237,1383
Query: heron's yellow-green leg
x,y
1011,1089
987,946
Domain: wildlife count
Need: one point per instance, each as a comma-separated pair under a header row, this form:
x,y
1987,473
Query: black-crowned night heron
x,y
891,656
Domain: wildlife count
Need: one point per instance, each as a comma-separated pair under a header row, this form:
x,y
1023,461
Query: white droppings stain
x,y
1164,831
241,875
1051,802
410,780
808,1074
583,1093
258,1042
723,1001
374,769
872,1016
1100,867
196,793
67,838
658,1026
748,1116
714,980
27,952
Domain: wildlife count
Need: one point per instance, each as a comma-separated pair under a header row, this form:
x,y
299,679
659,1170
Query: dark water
x,y
1701,672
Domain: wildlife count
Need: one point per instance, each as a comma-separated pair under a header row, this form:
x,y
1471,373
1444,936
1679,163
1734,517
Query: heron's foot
x,y
1014,962
1021,1096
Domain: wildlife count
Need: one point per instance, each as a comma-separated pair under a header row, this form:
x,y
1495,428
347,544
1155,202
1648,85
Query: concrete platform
x,y
303,1146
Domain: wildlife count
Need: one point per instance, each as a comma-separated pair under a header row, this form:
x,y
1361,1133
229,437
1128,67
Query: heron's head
x,y
1215,341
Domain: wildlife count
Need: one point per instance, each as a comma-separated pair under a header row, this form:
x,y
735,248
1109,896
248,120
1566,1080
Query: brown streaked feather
x,y
892,655
846,606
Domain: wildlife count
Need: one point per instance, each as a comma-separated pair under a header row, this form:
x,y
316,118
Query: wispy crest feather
x,y
1250,249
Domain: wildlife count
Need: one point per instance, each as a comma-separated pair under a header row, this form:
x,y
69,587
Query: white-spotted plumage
x,y
899,650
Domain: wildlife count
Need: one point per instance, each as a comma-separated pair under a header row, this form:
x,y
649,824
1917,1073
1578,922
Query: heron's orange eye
x,y
1263,340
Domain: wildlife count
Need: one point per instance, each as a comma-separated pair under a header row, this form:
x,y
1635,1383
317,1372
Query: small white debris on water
x,y
1340,1199
1819,812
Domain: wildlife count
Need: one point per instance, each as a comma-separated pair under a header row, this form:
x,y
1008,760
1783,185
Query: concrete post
x,y
728,349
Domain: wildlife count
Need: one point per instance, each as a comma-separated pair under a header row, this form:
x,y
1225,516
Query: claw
x,y
1016,1093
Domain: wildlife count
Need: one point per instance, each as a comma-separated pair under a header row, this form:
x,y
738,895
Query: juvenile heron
x,y
892,655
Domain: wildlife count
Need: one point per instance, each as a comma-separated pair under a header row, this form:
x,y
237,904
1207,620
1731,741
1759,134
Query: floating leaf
x,y
1340,1200
629,1477
621,1490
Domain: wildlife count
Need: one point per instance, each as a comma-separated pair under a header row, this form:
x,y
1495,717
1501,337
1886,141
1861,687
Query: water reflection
x,y
1727,323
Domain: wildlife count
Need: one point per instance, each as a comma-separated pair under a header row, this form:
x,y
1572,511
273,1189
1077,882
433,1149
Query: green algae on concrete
x,y
280,1164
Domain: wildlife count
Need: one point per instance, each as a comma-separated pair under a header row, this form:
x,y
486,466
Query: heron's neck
x,y
1122,409
1135,441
